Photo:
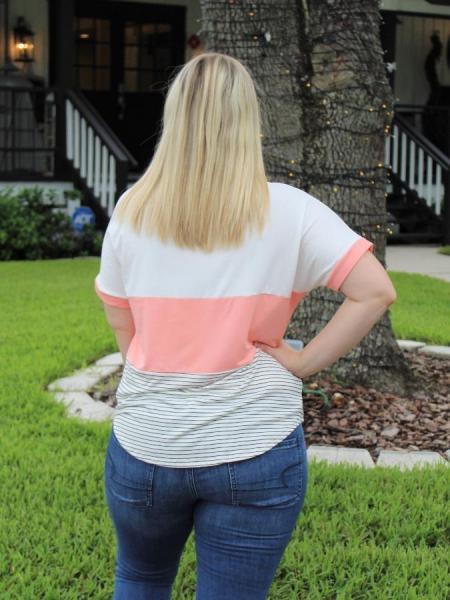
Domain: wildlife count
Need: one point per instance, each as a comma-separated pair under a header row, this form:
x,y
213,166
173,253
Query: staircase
x,y
417,222
99,161
50,134
418,173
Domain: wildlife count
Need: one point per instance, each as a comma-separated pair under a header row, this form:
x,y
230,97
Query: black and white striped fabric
x,y
197,420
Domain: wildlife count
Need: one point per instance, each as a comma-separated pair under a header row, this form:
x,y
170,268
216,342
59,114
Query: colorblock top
x,y
195,391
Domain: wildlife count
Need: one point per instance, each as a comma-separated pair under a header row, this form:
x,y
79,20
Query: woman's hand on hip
x,y
284,354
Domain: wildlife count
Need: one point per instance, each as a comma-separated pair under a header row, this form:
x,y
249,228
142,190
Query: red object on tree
x,y
193,41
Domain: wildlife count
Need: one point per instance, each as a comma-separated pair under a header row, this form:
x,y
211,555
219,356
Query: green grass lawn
x,y
363,534
422,309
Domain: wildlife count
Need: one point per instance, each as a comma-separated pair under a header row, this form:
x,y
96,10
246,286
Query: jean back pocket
x,y
273,479
127,479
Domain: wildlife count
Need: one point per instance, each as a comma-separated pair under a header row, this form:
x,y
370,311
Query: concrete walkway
x,y
418,258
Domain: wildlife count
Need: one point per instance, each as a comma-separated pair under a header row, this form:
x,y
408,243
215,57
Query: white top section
x,y
297,251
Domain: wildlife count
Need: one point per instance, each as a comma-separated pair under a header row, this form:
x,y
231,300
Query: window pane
x,y
85,24
102,79
147,61
85,30
162,57
164,34
86,78
102,30
131,57
164,27
102,54
131,33
147,55
131,81
150,39
148,28
85,53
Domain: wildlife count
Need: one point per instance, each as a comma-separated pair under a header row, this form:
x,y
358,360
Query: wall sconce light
x,y
23,42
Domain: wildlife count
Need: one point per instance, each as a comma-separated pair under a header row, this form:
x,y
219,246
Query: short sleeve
x,y
328,250
108,283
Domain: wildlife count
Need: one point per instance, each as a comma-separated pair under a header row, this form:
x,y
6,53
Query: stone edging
x,y
72,392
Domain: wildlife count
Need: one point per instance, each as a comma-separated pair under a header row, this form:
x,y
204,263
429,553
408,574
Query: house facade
x,y
415,35
83,82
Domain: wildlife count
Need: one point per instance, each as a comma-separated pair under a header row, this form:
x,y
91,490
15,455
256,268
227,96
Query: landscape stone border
x,y
72,391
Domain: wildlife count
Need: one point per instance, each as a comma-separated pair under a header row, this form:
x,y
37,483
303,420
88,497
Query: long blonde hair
x,y
206,183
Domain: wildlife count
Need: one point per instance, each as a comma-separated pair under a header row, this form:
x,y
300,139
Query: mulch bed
x,y
361,417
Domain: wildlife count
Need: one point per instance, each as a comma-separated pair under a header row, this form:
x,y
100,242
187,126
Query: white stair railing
x,y
417,162
99,157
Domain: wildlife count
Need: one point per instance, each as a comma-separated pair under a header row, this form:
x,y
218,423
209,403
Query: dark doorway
x,y
124,54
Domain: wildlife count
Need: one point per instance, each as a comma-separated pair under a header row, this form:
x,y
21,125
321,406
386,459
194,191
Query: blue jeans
x,y
243,514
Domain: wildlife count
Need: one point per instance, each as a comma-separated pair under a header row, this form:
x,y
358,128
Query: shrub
x,y
31,228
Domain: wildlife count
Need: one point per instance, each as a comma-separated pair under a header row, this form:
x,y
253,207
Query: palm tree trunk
x,y
264,36
349,104
327,106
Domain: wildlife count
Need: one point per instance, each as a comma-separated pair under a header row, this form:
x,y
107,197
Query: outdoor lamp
x,y
23,42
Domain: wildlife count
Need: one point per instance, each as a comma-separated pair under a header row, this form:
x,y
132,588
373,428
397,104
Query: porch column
x,y
61,70
62,43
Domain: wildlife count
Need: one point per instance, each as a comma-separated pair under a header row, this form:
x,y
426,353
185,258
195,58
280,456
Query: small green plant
x,y
73,195
444,250
32,229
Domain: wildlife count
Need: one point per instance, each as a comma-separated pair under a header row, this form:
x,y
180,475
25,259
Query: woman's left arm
x,y
122,323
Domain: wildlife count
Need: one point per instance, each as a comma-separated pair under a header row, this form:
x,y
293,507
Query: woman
x,y
203,263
